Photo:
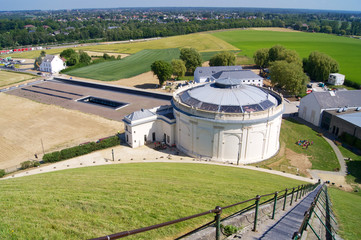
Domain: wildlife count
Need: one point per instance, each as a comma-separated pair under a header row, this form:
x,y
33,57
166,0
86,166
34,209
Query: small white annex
x,y
52,64
336,79
210,74
150,125
312,105
223,121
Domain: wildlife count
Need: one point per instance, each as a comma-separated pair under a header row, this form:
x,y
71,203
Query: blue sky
x,y
353,5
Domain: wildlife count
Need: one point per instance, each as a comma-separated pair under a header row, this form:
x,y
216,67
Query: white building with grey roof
x,y
223,121
314,104
52,64
210,74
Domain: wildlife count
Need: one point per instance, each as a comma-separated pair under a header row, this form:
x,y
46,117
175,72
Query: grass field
x,y
203,42
95,201
8,78
348,211
347,51
128,67
320,153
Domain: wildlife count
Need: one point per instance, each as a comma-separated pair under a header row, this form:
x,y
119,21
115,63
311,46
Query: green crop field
x,y
95,201
347,51
348,211
128,67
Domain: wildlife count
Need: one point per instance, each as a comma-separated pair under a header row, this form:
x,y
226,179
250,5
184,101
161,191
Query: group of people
x,y
304,143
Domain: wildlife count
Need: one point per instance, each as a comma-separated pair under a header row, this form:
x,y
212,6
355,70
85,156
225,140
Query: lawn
x,y
320,153
128,67
347,51
347,208
8,78
94,201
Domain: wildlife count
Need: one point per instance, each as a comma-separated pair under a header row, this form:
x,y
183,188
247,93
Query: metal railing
x,y
295,193
325,216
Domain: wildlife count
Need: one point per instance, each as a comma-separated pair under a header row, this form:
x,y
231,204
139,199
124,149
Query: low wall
x,y
163,96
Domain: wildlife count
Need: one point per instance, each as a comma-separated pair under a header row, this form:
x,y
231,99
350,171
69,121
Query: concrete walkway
x,y
144,154
288,223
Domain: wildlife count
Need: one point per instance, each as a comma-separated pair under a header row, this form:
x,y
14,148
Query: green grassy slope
x,y
346,51
90,202
128,67
348,211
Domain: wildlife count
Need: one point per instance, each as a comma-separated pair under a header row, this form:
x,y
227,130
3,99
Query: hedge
x,y
352,84
29,164
81,149
2,173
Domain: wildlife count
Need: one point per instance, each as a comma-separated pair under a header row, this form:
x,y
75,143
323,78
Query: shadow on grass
x,y
354,169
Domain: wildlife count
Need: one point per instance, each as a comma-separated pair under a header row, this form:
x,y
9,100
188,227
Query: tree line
x,y
289,72
63,27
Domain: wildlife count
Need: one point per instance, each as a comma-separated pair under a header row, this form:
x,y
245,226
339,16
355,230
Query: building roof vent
x,y
358,109
339,110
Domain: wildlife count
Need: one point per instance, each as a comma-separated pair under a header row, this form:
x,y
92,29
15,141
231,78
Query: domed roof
x,y
228,95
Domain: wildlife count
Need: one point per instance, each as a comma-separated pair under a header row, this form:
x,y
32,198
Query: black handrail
x,y
217,211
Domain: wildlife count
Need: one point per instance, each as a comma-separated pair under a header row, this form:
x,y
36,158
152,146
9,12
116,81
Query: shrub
x,y
2,173
229,229
29,164
81,149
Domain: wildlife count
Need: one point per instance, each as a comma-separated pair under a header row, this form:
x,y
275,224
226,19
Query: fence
x,y
272,198
319,217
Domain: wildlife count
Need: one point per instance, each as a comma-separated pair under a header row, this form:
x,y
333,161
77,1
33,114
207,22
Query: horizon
x,y
42,5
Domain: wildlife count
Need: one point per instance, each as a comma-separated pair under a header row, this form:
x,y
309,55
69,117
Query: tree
x,y
274,52
319,66
162,69
261,57
179,68
223,59
73,59
84,57
37,63
289,56
67,53
106,56
289,76
191,58
42,53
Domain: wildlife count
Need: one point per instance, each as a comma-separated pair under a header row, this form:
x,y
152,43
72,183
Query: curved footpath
x,y
125,154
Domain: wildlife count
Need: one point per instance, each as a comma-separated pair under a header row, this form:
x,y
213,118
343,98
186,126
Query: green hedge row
x,y
2,173
352,84
81,149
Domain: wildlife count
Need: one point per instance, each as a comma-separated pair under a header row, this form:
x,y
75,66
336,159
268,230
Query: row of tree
x,y
189,60
289,72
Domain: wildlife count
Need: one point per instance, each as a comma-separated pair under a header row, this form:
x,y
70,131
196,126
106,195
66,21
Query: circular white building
x,y
227,121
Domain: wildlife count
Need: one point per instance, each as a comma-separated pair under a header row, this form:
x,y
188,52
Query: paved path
x,y
287,224
143,154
